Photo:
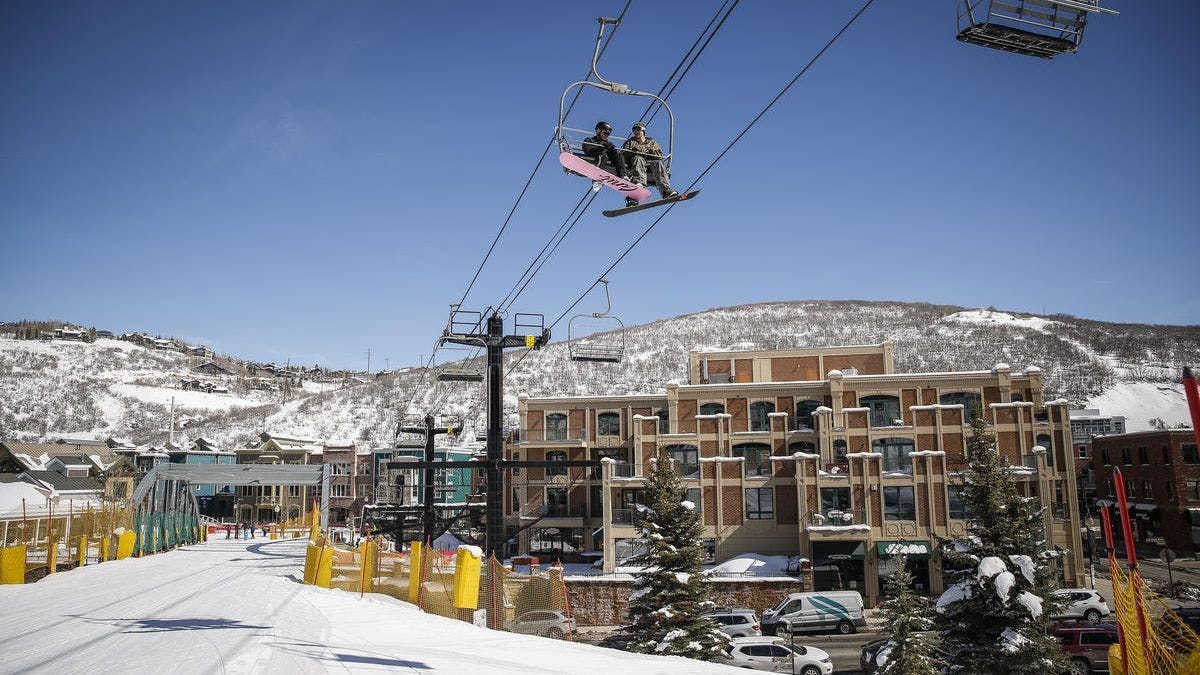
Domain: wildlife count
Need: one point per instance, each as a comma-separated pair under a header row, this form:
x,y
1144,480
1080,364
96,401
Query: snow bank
x,y
753,565
11,495
987,316
1141,402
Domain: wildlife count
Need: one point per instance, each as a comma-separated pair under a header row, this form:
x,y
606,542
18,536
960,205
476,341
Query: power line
x,y
710,166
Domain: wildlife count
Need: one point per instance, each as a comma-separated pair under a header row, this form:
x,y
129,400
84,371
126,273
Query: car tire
x,y
810,670
845,627
555,633
1092,616
1080,667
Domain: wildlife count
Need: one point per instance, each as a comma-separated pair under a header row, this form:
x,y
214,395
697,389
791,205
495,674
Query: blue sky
x,y
309,180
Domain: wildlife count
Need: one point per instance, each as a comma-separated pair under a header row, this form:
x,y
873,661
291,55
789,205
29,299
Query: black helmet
x,y
603,126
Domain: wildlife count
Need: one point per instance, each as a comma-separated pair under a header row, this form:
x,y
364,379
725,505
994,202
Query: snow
x,y
1012,641
1032,603
753,565
1141,402
1025,564
473,550
184,399
235,606
989,567
987,316
1004,584
690,506
852,455
956,592
11,495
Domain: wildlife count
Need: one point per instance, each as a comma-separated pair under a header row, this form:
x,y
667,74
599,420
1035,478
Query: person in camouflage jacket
x,y
643,159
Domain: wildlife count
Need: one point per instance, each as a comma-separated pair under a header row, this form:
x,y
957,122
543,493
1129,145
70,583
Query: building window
x,y
804,413
957,507
1143,456
898,504
294,490
556,427
692,495
664,421
595,499
556,502
1166,454
1189,454
1108,487
802,446
556,456
1147,491
1083,452
759,415
839,450
835,499
760,503
608,424
885,410
339,490
339,468
895,453
758,458
712,409
1126,456
686,458
970,401
1193,490
516,502
1131,490
516,469
1104,457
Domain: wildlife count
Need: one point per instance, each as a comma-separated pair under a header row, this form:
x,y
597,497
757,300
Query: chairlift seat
x,y
597,353
1041,28
1016,40
459,375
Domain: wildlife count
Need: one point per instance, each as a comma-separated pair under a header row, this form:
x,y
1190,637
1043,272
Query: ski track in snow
x,y
238,607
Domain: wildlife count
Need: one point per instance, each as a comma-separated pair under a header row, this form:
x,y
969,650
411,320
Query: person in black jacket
x,y
603,152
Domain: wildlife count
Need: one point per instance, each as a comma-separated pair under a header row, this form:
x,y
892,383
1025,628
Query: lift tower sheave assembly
x,y
430,431
531,333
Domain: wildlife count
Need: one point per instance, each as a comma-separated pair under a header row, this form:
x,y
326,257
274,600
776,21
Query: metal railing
x,y
560,511
837,518
549,434
626,516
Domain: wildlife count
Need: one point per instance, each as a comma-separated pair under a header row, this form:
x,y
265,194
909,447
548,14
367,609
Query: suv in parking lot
x,y
1086,644
1084,604
736,622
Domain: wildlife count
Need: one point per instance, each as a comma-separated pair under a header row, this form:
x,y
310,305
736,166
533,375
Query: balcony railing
x,y
625,470
626,516
548,435
560,511
837,518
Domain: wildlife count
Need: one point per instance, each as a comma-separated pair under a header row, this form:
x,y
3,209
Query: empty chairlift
x,y
465,370
1041,28
605,342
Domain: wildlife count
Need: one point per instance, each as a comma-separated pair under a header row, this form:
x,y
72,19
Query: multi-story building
x,y
273,503
823,453
351,482
450,486
1087,424
214,500
1162,482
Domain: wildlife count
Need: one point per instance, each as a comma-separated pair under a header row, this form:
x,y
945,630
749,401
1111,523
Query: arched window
x,y
758,458
686,458
885,410
664,421
608,424
712,408
839,450
804,413
759,415
802,446
970,401
895,453
556,456
556,427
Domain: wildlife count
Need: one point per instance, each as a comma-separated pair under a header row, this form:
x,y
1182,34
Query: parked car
x,y
777,656
547,623
1084,604
736,621
824,610
1086,644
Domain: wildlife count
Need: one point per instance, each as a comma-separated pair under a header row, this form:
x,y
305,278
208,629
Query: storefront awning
x,y
913,549
833,551
1145,507
1102,503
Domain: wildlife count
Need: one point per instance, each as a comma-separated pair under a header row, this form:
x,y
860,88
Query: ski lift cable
x,y
504,304
699,37
555,247
709,168
549,144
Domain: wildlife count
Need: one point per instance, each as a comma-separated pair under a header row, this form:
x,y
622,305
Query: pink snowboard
x,y
586,168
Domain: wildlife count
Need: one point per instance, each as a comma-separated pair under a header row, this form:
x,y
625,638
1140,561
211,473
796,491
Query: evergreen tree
x,y
993,619
671,594
908,652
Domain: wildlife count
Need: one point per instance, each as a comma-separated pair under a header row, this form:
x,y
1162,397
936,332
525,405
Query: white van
x,y
823,610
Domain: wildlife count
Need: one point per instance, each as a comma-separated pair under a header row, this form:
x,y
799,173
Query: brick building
x,y
351,480
839,468
1162,482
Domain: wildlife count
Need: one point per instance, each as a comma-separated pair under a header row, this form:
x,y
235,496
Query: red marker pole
x,y
1193,399
1112,574
1131,558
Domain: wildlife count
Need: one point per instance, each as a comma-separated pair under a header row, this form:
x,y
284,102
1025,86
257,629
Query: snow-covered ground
x,y
238,607
1141,402
184,399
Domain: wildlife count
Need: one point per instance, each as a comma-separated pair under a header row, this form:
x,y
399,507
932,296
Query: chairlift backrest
x,y
1041,28
607,346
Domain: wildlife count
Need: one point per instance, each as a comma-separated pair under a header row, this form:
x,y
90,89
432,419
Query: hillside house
x,y
211,368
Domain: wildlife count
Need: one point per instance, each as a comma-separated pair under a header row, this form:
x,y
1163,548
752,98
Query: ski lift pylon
x,y
1041,28
592,348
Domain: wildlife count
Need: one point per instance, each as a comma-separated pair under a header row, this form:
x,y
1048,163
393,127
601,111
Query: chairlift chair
x,y
1041,28
459,371
593,348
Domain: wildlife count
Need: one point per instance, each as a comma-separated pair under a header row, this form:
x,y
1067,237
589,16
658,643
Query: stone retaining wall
x,y
605,602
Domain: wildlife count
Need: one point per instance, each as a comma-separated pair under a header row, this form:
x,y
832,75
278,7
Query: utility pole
x,y
368,361
430,432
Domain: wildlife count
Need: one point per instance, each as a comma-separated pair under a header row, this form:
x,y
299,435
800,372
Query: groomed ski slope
x,y
237,607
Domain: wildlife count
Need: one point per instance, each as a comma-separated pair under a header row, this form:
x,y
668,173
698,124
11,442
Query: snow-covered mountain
x,y
118,388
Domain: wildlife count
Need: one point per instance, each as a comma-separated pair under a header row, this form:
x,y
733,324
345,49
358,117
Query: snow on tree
x,y
992,621
906,613
671,594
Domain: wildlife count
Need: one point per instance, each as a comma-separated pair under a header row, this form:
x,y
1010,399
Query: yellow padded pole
x,y
12,564
125,543
414,573
310,563
325,567
51,555
104,545
367,581
81,551
466,577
